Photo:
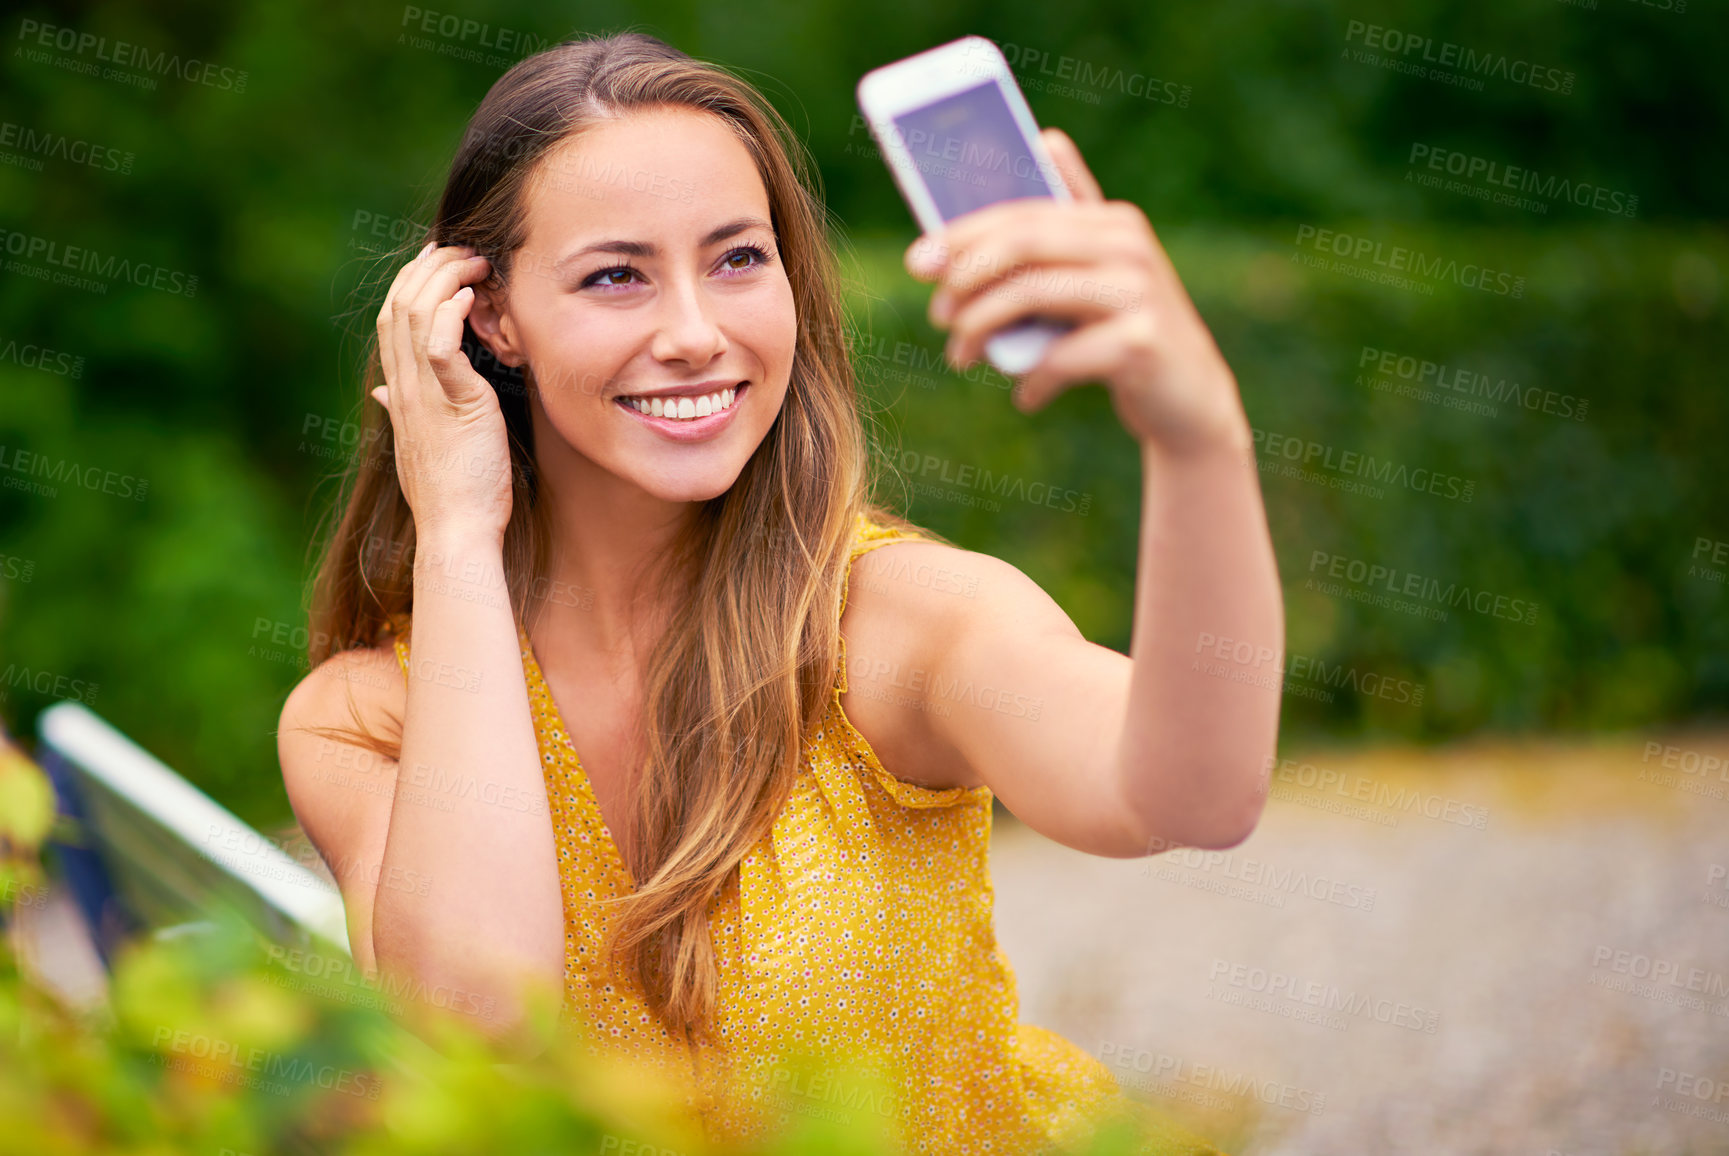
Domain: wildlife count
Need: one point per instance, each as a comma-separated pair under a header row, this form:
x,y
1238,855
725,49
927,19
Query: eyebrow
x,y
645,250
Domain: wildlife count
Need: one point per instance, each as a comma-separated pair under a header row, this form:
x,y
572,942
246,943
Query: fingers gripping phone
x,y
957,135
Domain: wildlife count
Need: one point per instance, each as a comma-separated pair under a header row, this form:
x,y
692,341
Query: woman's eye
x,y
740,260
744,258
606,276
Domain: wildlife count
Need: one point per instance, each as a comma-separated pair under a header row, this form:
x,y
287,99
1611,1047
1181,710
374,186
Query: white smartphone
x,y
957,135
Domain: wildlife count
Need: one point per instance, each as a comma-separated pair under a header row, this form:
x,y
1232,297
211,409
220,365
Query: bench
x,y
143,851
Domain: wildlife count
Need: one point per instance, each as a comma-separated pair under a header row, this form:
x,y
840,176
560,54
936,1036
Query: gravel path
x,y
1555,981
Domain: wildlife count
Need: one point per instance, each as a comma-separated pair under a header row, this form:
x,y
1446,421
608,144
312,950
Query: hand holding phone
x,y
957,135
959,138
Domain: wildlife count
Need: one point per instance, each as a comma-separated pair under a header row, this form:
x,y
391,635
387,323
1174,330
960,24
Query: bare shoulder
x,y
946,591
330,774
910,605
365,682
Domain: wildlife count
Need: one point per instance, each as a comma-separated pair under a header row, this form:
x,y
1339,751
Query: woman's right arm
x,y
453,875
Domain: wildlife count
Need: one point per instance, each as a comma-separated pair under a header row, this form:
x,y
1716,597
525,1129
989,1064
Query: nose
x,y
688,331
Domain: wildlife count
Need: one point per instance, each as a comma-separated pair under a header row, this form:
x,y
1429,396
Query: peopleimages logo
x,y
462,38
63,264
1037,69
1356,466
121,55
26,466
1327,997
264,1063
1361,788
1700,1089
40,357
1499,176
46,682
1634,965
1163,1068
920,467
1460,387
1241,661
1376,577
34,145
1253,873
1389,263
1448,62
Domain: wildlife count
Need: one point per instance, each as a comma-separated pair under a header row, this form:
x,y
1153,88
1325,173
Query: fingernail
x,y
430,246
942,307
924,259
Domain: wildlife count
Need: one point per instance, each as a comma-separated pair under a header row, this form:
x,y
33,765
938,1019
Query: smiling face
x,y
649,280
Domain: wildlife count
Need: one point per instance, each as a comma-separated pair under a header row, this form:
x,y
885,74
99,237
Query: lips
x,y
683,406
699,427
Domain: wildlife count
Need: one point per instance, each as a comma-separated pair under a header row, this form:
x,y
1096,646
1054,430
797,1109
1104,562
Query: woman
x,y
631,538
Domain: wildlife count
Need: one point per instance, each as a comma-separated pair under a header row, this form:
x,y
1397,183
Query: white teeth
x,y
684,408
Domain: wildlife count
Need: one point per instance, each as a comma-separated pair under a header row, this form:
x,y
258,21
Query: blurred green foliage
x,y
216,1047
217,1043
209,1039
176,614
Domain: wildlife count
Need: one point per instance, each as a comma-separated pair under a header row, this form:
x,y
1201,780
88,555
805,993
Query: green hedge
x,y
175,614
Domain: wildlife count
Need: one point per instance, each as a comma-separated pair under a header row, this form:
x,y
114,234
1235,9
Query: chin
x,y
700,486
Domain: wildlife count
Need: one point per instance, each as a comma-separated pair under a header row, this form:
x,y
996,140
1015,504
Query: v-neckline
x,y
585,795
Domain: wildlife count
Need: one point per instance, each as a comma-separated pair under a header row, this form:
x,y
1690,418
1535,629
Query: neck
x,y
608,539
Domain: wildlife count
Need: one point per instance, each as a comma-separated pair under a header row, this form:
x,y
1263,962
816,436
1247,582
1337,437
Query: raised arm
x,y
466,817
1168,746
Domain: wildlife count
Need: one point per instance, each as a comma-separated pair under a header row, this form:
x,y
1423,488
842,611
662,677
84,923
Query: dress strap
x,y
399,626
868,536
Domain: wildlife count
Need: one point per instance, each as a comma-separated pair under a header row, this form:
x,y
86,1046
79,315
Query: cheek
x,y
773,324
575,351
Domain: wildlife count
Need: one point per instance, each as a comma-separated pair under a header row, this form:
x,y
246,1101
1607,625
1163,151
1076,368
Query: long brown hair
x,y
748,661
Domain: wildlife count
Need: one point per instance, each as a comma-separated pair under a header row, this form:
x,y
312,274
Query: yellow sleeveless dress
x,y
861,926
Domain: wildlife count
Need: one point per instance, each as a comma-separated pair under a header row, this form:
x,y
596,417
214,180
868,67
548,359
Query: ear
x,y
494,327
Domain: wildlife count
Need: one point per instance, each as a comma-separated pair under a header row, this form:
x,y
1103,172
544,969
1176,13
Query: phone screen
x,y
970,152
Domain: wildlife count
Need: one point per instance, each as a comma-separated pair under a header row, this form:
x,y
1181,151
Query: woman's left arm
x,y
1170,747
